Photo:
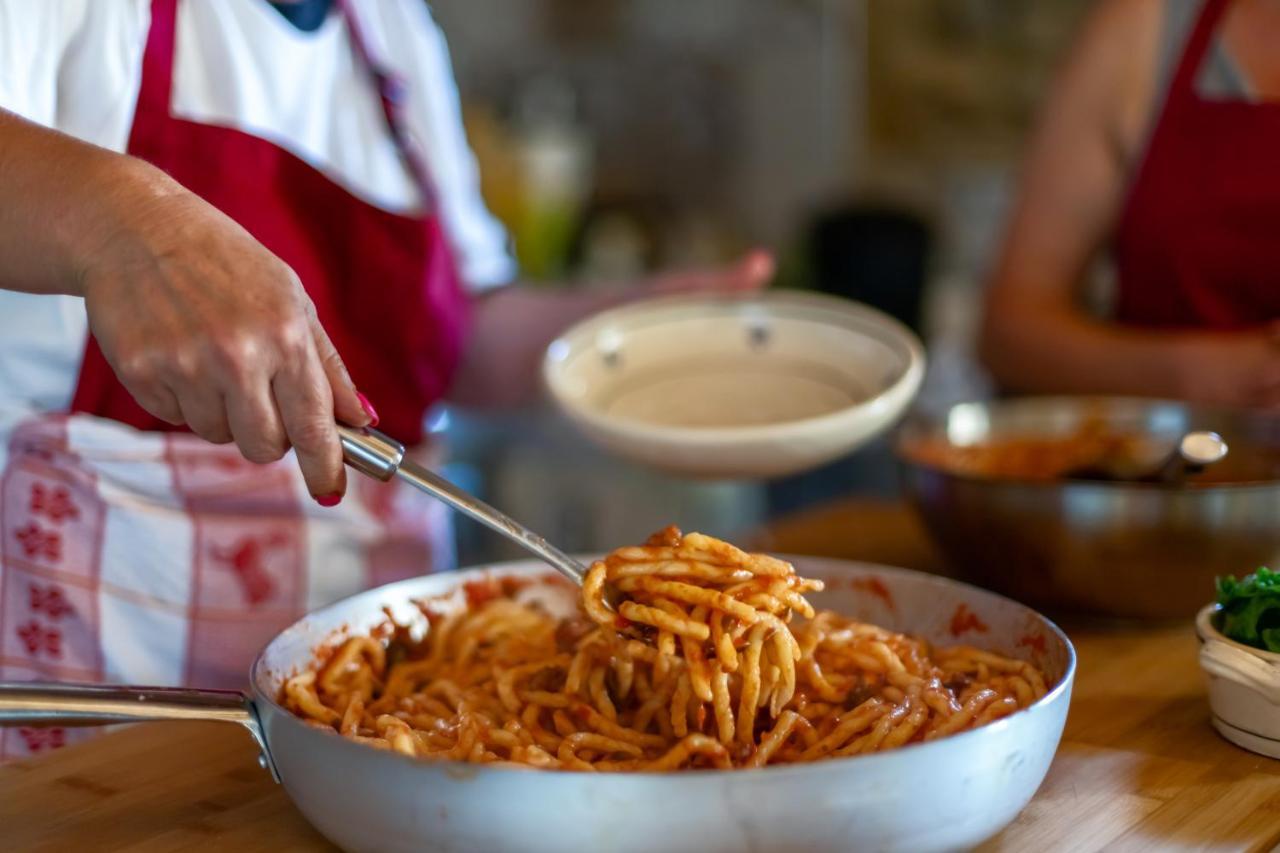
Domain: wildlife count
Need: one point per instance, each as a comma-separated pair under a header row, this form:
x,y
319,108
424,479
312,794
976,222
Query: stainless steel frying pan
x,y
947,794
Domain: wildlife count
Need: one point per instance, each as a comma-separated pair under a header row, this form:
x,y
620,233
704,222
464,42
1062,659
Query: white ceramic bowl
x,y
1244,688
758,386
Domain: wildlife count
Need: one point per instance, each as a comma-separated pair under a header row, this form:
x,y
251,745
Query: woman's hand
x,y
748,274
1240,369
207,328
202,324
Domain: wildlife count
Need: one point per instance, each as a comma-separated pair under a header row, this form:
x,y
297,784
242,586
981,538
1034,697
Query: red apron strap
x,y
391,94
156,88
1184,81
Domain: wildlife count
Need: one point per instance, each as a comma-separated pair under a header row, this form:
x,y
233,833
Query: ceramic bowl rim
x,y
1206,630
896,335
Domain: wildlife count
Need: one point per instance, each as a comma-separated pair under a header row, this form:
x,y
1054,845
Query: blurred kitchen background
x,y
871,143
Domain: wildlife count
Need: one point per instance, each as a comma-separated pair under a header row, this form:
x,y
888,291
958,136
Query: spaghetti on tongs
x,y
703,664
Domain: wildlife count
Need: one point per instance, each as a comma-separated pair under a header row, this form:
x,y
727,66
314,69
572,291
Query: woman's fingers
x,y
749,273
140,373
255,423
204,410
305,401
159,401
349,405
754,270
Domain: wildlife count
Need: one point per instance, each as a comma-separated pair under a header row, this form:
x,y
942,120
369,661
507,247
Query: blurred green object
x,y
795,268
543,236
1251,609
555,158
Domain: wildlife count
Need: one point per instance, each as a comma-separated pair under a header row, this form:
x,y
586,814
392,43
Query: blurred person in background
x,y
256,209
1159,144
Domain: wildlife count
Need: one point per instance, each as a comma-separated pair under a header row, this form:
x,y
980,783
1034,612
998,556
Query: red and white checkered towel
x,y
159,559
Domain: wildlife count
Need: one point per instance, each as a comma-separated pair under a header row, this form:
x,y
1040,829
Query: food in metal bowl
x,y
1034,458
990,481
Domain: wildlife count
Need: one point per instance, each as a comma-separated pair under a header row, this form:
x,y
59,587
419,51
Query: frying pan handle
x,y
33,703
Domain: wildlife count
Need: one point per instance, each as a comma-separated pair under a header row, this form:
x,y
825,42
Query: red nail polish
x,y
368,409
329,500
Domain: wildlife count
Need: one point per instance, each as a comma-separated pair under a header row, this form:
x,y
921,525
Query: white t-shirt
x,y
75,65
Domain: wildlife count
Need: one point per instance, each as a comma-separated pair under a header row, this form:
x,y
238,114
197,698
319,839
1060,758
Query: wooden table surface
x,y
1139,767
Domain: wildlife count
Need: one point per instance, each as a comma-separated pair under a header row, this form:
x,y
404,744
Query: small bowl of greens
x,y
1240,655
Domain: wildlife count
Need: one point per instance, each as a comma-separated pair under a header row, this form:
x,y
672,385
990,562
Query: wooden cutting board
x,y
1139,769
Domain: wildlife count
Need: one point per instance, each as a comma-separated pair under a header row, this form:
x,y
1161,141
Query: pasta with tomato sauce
x,y
713,658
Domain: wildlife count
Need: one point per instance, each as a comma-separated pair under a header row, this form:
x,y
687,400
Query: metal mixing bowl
x,y
1143,551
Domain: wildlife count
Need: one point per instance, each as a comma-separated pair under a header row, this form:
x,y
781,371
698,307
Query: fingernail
x,y
329,500
368,409
762,262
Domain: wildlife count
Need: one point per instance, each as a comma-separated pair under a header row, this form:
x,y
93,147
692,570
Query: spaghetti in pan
x,y
713,658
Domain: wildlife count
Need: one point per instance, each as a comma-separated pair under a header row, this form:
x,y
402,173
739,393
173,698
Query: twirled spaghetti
x,y
701,665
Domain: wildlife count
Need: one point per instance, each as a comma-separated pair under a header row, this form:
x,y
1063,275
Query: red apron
x,y
149,557
1198,242
383,284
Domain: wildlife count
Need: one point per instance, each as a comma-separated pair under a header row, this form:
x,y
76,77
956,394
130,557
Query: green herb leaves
x,y
1251,609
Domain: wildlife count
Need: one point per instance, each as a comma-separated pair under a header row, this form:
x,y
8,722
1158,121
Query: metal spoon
x,y
1194,452
382,458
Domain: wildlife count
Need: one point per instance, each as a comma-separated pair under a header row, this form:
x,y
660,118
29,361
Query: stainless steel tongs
x,y
382,457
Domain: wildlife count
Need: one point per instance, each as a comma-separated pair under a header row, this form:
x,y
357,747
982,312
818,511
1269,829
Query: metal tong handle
x,y
45,704
382,457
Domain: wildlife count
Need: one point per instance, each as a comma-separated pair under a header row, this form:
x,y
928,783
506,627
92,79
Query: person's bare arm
x,y
202,324
1037,336
513,326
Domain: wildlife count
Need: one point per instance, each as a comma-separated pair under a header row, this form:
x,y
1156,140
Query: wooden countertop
x,y
1139,767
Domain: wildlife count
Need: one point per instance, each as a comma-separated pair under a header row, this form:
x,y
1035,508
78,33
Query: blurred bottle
x,y
628,238
554,156
536,171
616,246
491,141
